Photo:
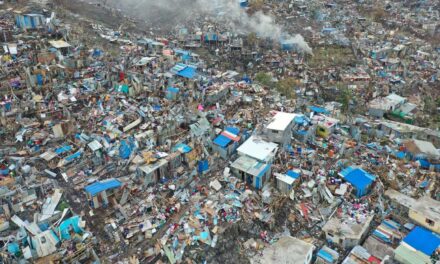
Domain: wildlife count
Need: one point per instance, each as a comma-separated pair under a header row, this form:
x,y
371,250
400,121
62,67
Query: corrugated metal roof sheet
x,y
100,186
293,174
63,149
423,240
357,177
222,141
233,130
325,255
183,148
188,72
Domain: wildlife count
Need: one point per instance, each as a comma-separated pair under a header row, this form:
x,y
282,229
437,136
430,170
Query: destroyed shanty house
x,y
52,239
226,143
29,21
201,130
423,211
216,93
253,165
155,167
380,106
405,131
257,148
417,247
286,250
279,130
347,231
326,255
99,193
325,125
359,255
419,149
286,182
384,239
361,180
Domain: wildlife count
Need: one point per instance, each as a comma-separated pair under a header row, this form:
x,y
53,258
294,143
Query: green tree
x,y
264,79
287,87
344,98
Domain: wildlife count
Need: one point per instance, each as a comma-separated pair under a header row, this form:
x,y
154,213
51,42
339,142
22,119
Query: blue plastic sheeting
x,y
424,184
157,107
400,155
391,224
424,163
288,46
186,55
247,79
63,149
97,53
266,168
325,256
182,148
319,110
124,150
301,132
44,226
73,156
97,187
173,90
211,37
233,130
293,174
39,79
203,166
423,240
381,236
300,120
13,248
359,178
188,72
222,141
70,224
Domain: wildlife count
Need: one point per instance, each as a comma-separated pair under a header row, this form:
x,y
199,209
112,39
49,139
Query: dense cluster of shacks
x,y
156,155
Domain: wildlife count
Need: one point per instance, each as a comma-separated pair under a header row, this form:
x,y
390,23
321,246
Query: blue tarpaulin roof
x,y
188,72
182,148
359,178
325,255
300,119
203,166
423,240
222,141
100,186
73,156
65,227
63,149
319,110
293,174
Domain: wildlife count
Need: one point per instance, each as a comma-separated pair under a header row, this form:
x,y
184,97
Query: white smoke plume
x,y
228,11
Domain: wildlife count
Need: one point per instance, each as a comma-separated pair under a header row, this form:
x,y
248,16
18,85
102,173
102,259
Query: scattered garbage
x,y
224,138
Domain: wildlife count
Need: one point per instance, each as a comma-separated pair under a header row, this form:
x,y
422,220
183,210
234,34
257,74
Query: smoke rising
x,y
228,12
